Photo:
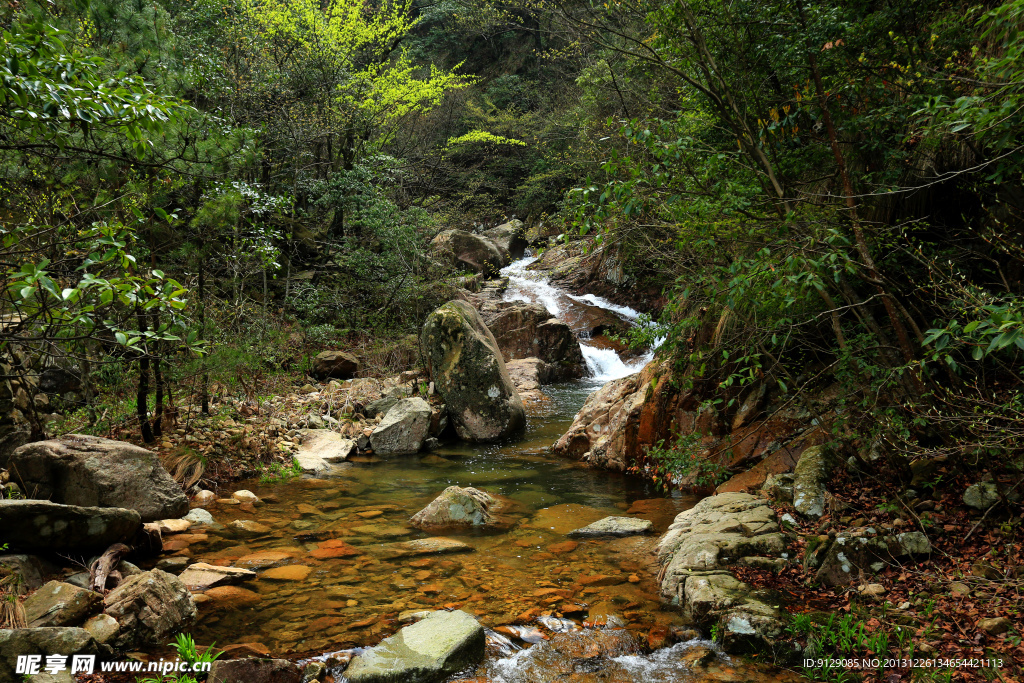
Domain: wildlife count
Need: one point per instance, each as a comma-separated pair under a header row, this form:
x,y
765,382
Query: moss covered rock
x,y
469,373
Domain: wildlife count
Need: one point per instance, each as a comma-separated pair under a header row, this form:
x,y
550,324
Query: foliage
x,y
681,464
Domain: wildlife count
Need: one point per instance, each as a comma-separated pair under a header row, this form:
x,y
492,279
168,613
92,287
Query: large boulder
x,y
428,651
336,364
43,641
697,551
44,526
469,373
467,251
150,607
524,330
403,429
457,506
92,471
60,604
509,237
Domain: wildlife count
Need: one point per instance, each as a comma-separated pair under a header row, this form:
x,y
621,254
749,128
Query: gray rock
x,y
716,533
457,506
90,471
812,471
253,670
103,627
60,604
200,516
403,429
428,651
32,569
150,607
42,641
467,251
981,496
469,373
613,526
915,543
47,526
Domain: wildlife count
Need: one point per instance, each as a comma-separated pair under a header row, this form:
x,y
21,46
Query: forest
x,y
795,225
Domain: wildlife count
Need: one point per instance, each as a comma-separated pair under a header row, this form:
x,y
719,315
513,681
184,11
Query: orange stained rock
x,y
291,572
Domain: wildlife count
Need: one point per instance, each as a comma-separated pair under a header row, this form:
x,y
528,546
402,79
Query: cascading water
x,y
604,364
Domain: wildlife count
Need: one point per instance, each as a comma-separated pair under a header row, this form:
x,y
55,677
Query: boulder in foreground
x,y
430,650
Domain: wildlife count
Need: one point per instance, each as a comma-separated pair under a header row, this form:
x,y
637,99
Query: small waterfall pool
x,y
579,312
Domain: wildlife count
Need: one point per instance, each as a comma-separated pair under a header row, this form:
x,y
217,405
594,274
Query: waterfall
x,y
603,364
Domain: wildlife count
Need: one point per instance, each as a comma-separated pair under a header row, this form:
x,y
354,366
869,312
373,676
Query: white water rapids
x,y
531,286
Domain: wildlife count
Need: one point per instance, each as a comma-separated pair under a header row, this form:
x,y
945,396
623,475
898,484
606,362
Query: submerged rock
x,y
613,526
437,545
470,375
432,649
457,506
404,428
201,576
44,525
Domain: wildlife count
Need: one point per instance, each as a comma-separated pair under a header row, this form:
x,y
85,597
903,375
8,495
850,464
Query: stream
x,y
331,581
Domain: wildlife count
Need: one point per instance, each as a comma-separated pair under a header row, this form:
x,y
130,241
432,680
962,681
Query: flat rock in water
x,y
613,526
264,559
431,650
249,527
437,545
201,576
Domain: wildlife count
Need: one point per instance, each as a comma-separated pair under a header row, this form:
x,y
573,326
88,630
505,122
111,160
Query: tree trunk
x,y
142,398
204,390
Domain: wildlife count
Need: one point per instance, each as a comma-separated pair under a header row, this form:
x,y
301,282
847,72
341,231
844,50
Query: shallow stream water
x,y
333,577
